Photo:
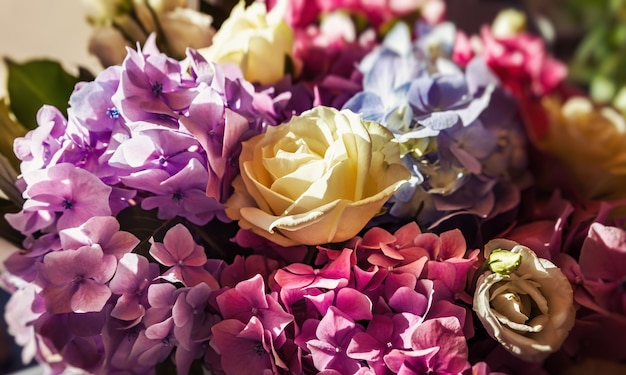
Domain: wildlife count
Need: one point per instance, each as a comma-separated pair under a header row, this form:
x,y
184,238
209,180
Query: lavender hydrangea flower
x,y
155,147
91,105
455,127
63,195
131,281
182,194
153,87
76,280
37,148
226,111
103,231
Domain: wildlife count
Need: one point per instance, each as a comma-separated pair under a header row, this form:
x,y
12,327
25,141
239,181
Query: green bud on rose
x,y
503,261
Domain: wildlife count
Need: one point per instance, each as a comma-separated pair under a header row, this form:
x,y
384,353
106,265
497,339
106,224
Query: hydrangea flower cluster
x,y
371,212
459,129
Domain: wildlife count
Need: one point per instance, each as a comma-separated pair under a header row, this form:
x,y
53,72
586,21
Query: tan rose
x,y
589,140
524,302
258,41
317,179
108,45
184,27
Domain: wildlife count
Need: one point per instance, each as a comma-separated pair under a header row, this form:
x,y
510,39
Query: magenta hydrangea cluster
x,y
386,302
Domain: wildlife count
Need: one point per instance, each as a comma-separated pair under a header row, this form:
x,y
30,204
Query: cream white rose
x,y
317,179
258,41
527,305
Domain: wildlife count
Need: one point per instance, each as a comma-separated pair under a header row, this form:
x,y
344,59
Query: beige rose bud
x,y
530,310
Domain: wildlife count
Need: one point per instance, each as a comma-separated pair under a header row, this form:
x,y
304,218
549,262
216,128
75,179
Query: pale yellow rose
x,y
589,140
317,179
258,41
524,302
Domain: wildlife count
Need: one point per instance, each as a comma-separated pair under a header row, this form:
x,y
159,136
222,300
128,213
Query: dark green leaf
x,y
219,9
144,225
8,233
35,83
9,130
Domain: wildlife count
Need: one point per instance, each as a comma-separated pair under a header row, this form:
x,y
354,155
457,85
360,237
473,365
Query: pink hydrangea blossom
x,y
185,258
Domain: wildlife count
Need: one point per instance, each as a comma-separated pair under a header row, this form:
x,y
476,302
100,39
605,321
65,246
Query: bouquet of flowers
x,y
332,187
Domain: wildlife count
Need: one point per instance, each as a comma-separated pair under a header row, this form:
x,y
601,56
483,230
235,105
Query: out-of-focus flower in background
x,y
589,140
122,23
258,41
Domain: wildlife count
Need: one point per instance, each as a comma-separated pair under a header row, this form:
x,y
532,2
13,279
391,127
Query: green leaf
x,y
8,188
144,225
9,130
35,83
8,232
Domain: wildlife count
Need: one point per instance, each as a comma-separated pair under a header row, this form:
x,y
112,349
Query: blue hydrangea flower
x,y
456,126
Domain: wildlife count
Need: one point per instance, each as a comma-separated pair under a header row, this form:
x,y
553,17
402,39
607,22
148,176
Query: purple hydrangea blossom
x,y
156,342
91,105
244,348
103,231
153,87
131,281
193,317
76,280
223,114
62,195
182,194
38,147
185,258
155,147
193,321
